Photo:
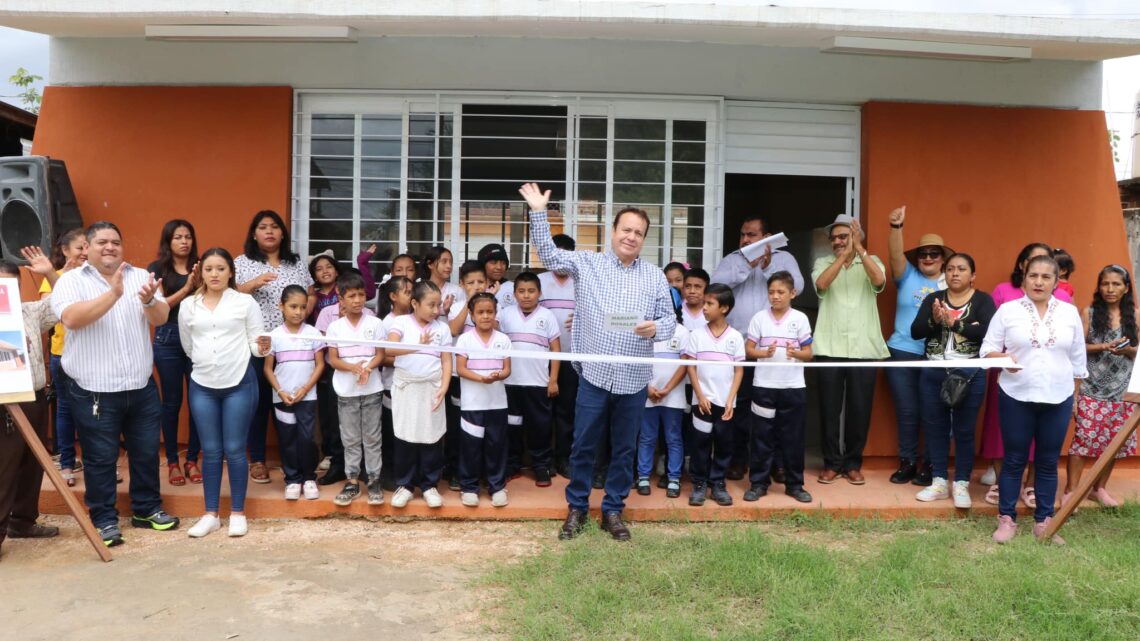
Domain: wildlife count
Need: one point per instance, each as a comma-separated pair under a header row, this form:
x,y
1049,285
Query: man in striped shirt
x,y
610,288
108,307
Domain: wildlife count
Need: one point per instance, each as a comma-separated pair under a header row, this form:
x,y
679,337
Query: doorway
x,y
799,206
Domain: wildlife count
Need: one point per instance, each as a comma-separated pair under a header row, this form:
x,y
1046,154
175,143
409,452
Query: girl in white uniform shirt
x,y
483,418
472,280
1044,336
219,329
419,387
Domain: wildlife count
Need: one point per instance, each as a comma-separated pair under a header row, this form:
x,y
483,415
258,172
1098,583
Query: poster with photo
x,y
15,373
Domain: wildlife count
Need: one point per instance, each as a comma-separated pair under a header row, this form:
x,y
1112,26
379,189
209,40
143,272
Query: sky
x,y
1121,76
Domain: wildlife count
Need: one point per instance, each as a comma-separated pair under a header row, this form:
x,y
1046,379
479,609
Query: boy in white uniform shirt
x,y
533,382
779,395
358,387
558,297
483,404
714,396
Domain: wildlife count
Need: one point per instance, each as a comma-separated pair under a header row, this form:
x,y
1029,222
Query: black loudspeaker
x,y
37,204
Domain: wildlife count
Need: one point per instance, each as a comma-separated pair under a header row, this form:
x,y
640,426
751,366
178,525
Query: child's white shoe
x,y
499,499
206,525
470,499
325,463
989,477
961,494
401,497
431,495
938,491
311,490
238,525
292,491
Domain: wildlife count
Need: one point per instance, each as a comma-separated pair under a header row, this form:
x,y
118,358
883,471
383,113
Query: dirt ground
x,y
289,580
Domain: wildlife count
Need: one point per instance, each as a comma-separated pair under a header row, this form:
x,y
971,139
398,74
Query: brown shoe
x,y
855,477
573,525
612,523
828,476
258,472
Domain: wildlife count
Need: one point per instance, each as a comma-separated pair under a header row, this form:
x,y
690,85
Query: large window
x,y
408,172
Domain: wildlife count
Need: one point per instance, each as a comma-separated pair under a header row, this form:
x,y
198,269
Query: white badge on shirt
x,y
622,322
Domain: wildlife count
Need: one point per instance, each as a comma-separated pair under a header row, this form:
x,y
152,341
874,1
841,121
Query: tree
x,y
29,95
1114,142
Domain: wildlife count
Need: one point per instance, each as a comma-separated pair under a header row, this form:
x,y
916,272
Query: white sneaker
x,y
431,495
961,492
401,497
499,499
470,499
325,463
989,477
937,491
238,525
292,491
205,525
311,490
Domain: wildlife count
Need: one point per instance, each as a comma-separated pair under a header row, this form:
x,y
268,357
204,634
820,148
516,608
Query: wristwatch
x,y
898,226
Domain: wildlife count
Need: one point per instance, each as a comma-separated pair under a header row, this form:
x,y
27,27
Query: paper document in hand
x,y
756,249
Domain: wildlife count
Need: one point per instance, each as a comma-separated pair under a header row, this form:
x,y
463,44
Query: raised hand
x,y
194,282
117,280
938,313
426,338
536,199
856,236
897,216
445,308
72,263
149,288
371,249
37,261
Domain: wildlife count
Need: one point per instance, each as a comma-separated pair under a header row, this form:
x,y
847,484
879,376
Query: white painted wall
x,y
445,63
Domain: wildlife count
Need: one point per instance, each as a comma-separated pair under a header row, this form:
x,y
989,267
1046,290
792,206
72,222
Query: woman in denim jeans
x,y
221,331
917,274
177,258
953,323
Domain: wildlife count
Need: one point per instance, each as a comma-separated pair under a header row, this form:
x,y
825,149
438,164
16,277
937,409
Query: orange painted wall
x,y
989,180
139,156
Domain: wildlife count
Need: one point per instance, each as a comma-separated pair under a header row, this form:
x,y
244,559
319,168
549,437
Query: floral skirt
x,y
1097,423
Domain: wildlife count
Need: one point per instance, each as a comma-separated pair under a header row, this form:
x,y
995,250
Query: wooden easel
x,y
1092,475
37,447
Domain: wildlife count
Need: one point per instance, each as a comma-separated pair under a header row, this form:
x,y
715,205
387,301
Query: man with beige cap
x,y
917,273
847,329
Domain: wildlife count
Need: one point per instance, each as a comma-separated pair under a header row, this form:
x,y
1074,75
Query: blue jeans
x,y
103,418
596,410
223,426
64,426
1021,425
904,384
656,420
941,421
173,371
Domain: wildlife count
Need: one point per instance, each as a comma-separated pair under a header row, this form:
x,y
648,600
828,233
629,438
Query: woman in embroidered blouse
x,y
1045,336
991,426
264,271
1101,409
219,329
953,323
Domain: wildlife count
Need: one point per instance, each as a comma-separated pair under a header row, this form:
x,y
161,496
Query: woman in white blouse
x,y
1045,337
221,329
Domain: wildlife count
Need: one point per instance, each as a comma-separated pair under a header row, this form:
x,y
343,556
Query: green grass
x,y
809,577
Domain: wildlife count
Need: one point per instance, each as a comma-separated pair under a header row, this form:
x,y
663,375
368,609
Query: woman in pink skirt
x,y
991,426
1110,326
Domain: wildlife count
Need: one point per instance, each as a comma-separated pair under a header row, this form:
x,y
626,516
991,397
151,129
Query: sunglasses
x,y
929,253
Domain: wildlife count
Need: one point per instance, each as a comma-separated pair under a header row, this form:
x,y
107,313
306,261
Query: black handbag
x,y
954,387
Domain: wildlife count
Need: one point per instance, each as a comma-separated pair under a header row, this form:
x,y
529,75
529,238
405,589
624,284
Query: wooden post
x,y
1092,475
37,447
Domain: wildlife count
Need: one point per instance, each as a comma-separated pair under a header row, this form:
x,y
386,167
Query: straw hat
x,y
928,240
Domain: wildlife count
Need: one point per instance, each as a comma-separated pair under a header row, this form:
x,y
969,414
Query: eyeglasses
x,y
929,253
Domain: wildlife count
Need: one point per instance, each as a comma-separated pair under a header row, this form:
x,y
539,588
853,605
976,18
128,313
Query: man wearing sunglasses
x,y
917,273
847,283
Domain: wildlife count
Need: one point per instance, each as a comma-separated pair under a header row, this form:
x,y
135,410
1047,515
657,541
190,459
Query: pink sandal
x,y
1105,499
993,496
1029,497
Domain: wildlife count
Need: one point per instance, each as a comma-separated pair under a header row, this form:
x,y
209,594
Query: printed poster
x,y
15,373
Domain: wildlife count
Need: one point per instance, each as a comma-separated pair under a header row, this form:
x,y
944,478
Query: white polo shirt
x,y
559,299
295,357
715,380
367,328
693,321
531,332
793,330
670,349
407,329
483,396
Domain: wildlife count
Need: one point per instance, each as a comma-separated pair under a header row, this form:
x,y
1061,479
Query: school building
x,y
409,124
